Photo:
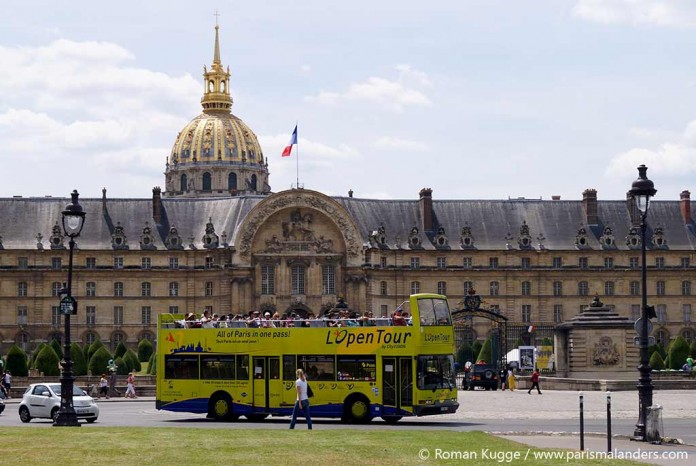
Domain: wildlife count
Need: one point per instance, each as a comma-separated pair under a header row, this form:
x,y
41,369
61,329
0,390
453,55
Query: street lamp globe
x,y
642,190
73,217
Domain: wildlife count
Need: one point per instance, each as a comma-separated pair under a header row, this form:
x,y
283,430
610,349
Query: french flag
x,y
530,329
293,141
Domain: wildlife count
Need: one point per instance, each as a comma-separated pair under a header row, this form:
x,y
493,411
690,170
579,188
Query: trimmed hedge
x,y
145,350
132,360
35,353
93,349
99,361
152,365
120,350
678,352
57,348
656,361
485,354
122,367
16,361
78,358
47,361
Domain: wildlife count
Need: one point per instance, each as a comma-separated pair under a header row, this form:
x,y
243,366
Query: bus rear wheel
x,y
391,419
221,407
357,410
256,417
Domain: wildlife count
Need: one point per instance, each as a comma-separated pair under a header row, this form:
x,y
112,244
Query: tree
x,y
99,361
145,350
47,361
78,359
465,353
120,350
56,347
93,349
35,353
152,365
547,341
678,352
17,362
659,348
476,348
693,349
132,361
122,367
485,353
656,361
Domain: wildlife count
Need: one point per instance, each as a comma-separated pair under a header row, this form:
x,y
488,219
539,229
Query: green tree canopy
x,y
132,361
99,361
35,353
78,358
16,361
57,348
145,350
656,361
47,361
678,352
93,349
122,367
120,350
152,365
485,353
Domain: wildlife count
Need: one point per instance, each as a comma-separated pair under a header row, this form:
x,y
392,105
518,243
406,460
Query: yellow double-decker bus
x,y
357,373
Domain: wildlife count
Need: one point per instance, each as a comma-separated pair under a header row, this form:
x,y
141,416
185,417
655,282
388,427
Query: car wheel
x,y
488,375
54,414
24,415
91,419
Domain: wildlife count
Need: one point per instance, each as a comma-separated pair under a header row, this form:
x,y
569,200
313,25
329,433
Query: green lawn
x,y
177,446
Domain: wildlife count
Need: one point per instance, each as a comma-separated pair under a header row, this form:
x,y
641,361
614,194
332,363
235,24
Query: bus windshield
x,y
434,311
436,371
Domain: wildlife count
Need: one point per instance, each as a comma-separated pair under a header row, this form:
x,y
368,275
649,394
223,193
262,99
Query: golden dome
x,y
216,154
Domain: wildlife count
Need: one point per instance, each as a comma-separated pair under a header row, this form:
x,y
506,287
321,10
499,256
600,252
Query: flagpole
x,y
298,160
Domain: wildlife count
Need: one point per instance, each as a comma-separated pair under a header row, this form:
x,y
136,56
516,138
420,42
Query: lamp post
x,y
73,220
641,191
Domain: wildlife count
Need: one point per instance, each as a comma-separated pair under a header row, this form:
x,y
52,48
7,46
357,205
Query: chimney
x,y
555,198
426,209
589,203
685,206
350,193
157,204
103,200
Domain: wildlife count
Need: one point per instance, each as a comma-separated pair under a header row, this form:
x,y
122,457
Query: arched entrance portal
x,y
463,317
298,309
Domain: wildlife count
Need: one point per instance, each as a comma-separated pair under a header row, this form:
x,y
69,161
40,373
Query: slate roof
x,y
490,220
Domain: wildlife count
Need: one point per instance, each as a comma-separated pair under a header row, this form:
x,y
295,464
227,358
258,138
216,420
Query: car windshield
x,y
77,391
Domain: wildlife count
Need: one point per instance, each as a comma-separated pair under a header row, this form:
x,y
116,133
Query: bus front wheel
x,y
357,410
221,407
391,419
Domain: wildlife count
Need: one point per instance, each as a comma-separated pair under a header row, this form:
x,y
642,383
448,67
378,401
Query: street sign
x,y
636,341
68,305
638,326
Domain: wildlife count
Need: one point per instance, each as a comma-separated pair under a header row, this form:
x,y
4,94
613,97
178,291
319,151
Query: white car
x,y
42,400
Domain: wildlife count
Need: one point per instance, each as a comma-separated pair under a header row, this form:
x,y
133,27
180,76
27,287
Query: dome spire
x,y
216,93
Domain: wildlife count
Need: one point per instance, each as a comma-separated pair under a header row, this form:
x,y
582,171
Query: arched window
x,y
207,181
253,182
90,337
117,338
184,182
232,181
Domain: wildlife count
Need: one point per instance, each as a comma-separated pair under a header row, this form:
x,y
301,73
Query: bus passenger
x,y
398,318
254,320
407,318
266,321
367,320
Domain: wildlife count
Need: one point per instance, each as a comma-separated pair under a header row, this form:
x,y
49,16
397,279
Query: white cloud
x,y
387,142
679,13
391,94
670,159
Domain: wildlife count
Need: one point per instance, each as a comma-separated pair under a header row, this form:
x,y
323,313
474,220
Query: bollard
x,y
608,422
582,423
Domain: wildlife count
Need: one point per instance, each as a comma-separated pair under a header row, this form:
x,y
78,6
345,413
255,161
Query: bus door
x,y
397,384
267,383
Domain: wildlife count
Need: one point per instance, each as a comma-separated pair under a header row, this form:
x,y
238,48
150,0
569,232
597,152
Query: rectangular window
x,y
217,367
383,288
298,279
173,309
685,262
526,263
442,288
55,316
118,262
383,309
383,262
91,315
56,263
289,367
583,288
557,262
180,367
558,313
494,288
318,367
415,262
660,262
661,313
173,263
686,313
208,288
22,315
526,288
441,262
608,262
360,368
173,289
468,263
91,262
118,289
267,279
609,288
558,288
633,262
493,262
526,313
145,289
91,289
635,312
686,288
634,288
468,286
146,315
660,285
209,262
146,263
582,262
328,279
415,287
22,262
56,288
118,315
22,289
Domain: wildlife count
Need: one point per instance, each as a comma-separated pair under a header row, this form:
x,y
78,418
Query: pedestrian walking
x,y
511,380
103,387
130,387
302,401
503,378
535,382
7,379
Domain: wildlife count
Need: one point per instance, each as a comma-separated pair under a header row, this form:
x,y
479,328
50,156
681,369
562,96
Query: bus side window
x,y
242,367
289,367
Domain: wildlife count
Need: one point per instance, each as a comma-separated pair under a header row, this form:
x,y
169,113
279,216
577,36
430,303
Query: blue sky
x,y
485,99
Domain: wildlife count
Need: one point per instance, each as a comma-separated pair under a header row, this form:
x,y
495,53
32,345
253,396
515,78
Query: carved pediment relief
x,y
210,239
605,352
146,238
441,241
524,239
467,239
607,239
298,236
582,241
57,237
118,238
173,240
